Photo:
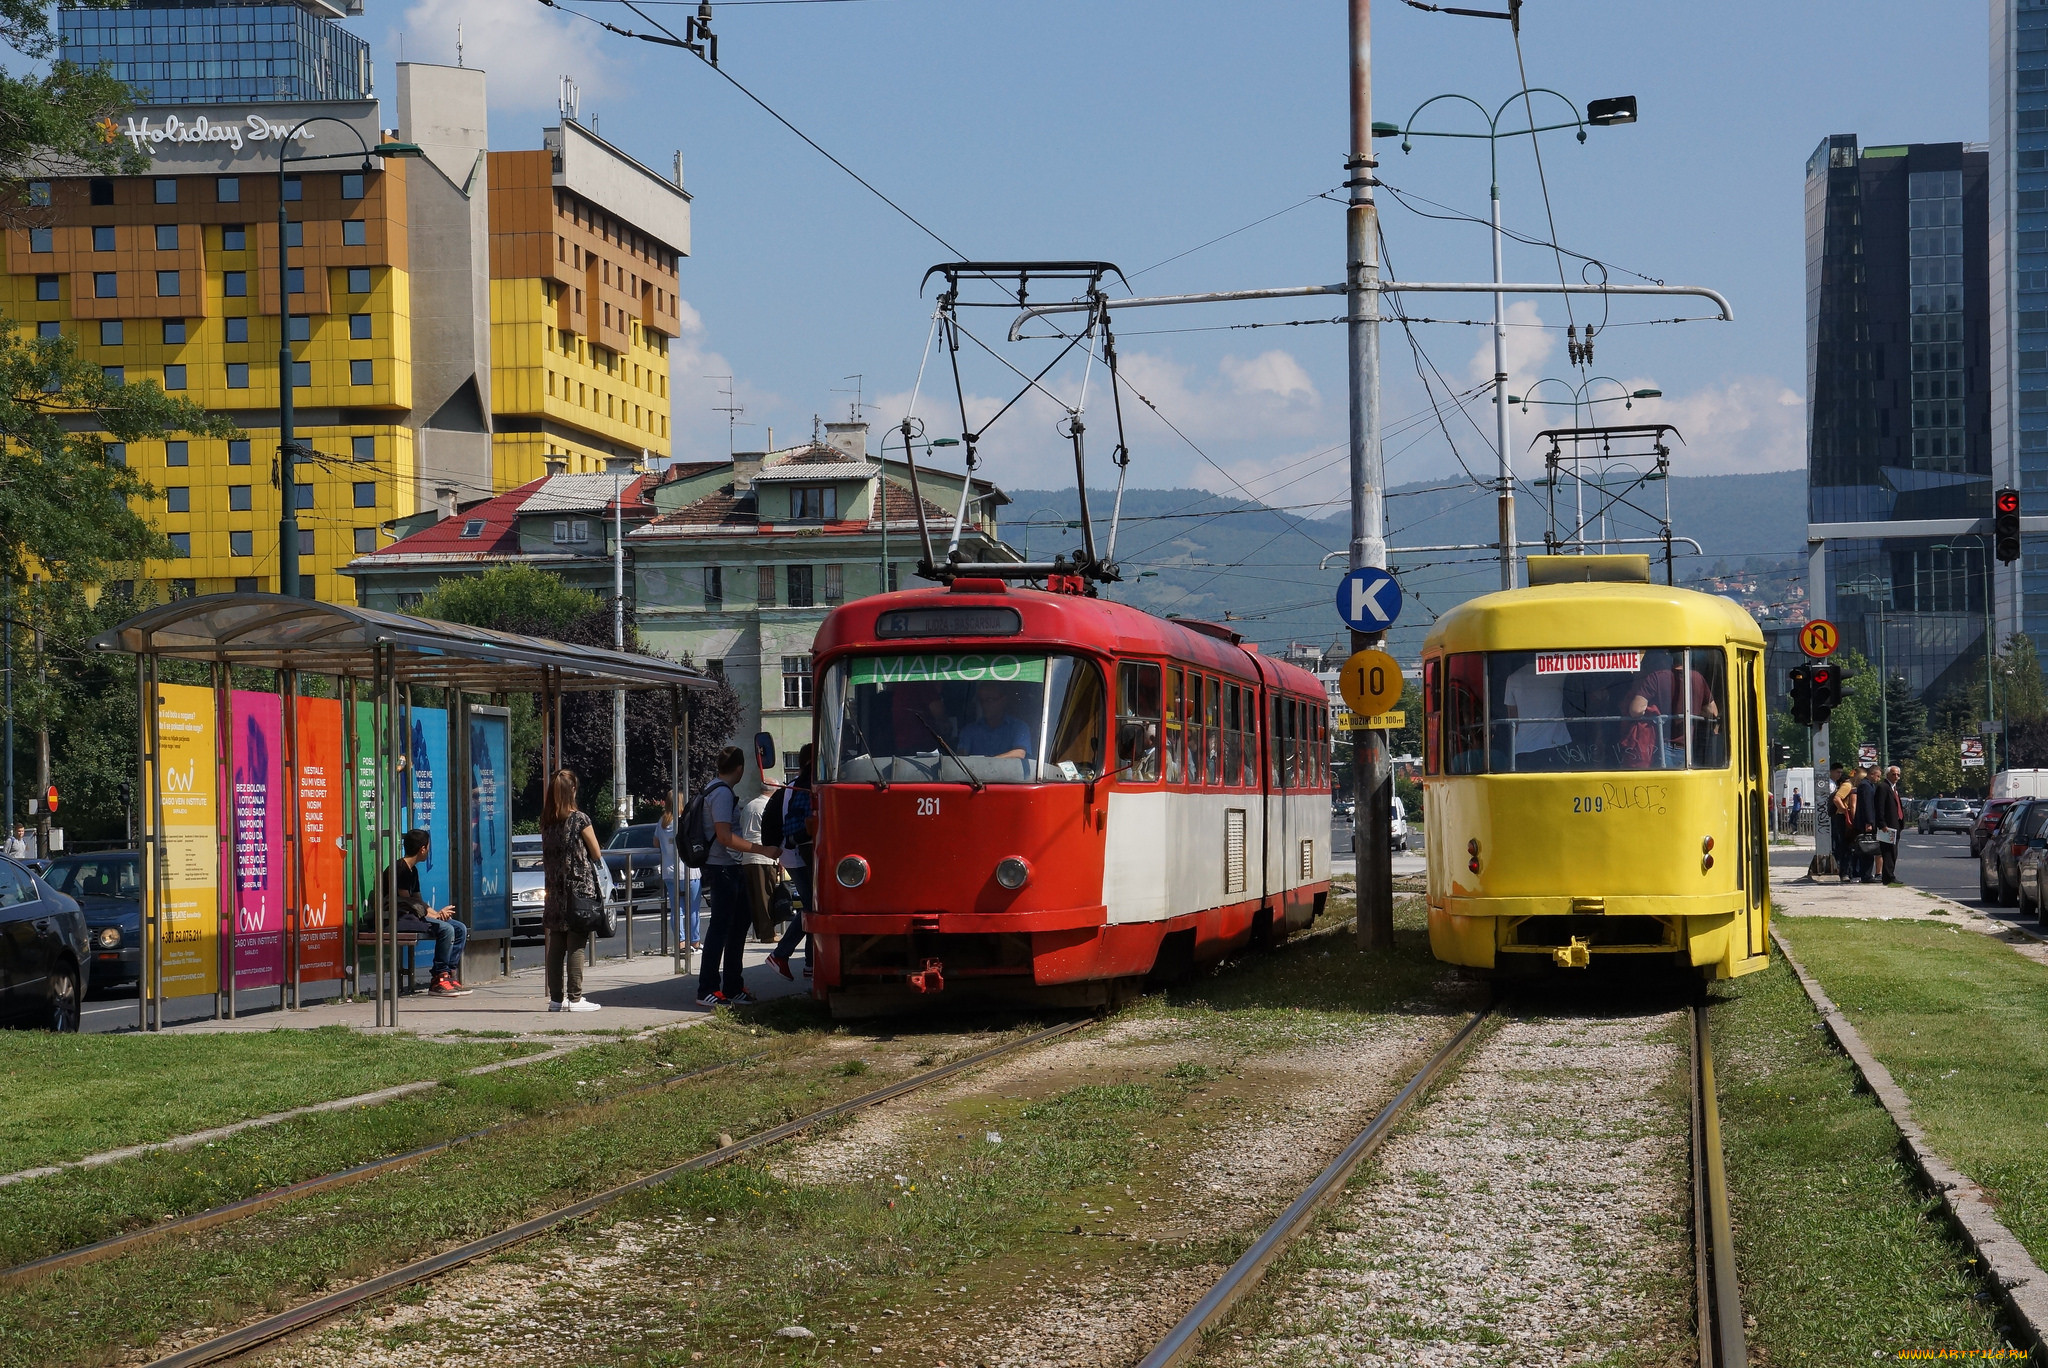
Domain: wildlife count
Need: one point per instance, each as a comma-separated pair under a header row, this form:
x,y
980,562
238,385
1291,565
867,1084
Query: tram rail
x,y
243,1340
1717,1296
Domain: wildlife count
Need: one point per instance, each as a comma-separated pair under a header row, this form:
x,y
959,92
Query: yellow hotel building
x,y
462,322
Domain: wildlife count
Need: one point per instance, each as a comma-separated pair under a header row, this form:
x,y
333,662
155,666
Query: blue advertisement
x,y
490,824
429,747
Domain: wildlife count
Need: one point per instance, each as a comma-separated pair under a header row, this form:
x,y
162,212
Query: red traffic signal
x,y
2007,501
52,798
2005,524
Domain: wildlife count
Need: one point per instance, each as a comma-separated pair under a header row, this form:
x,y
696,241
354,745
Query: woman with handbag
x,y
574,906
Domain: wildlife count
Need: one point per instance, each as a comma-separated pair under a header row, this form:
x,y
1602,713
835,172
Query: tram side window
x,y
1233,739
1432,717
1290,728
1191,713
1464,714
1137,721
1175,745
1212,726
1322,747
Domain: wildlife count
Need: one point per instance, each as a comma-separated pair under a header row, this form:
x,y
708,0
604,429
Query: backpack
x,y
693,841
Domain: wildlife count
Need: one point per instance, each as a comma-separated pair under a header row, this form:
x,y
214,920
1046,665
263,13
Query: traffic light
x,y
2005,524
1828,682
1802,695
1781,756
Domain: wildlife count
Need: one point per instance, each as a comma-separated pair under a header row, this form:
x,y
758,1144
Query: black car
x,y
108,886
643,843
43,964
1998,866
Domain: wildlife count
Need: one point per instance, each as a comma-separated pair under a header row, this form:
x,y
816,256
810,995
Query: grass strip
x,y
1962,1024
67,1096
1842,1257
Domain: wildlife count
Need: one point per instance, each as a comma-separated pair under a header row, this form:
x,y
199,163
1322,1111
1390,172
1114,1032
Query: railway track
x,y
241,1341
1717,1304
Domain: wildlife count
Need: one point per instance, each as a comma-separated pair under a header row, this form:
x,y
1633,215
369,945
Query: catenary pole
x,y
619,644
1372,780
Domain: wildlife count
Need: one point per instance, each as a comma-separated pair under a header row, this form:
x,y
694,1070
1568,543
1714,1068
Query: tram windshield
x,y
1556,712
961,717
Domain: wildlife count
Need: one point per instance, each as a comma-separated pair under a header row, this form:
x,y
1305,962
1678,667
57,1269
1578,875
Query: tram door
x,y
1754,872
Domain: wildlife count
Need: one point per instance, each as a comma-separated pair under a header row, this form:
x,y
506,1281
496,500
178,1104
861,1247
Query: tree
x,y
1905,720
60,120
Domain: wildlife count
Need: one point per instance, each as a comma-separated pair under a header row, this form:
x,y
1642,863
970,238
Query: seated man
x,y
993,732
415,916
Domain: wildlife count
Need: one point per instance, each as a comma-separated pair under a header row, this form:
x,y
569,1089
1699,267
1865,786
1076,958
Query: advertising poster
x,y
364,835
323,903
427,751
256,762
190,788
490,824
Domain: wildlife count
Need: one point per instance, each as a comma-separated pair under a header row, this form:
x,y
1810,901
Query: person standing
x,y
17,844
793,823
1891,808
759,873
1864,821
678,881
570,859
722,980
1841,802
1798,802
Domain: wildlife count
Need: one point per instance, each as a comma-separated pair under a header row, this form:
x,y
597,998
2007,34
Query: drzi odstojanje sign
x,y
219,137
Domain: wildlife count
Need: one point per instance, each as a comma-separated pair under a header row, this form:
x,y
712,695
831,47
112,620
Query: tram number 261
x,y
1589,803
927,807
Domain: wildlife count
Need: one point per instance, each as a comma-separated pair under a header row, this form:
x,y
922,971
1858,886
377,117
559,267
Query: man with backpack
x,y
709,839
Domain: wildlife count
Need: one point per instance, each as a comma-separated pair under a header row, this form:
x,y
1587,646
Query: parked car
x,y
1945,814
1988,818
529,889
1998,867
643,842
43,965
1400,831
107,886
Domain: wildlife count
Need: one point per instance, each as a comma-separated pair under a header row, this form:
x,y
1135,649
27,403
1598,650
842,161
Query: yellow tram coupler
x,y
1713,943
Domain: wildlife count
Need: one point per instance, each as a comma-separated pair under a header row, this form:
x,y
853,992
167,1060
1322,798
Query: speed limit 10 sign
x,y
1370,683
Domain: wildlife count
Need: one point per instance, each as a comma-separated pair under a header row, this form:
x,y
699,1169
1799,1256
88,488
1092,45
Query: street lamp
x,y
1620,109
287,439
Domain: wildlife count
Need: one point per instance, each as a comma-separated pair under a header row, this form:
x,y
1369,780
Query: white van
x,y
1400,830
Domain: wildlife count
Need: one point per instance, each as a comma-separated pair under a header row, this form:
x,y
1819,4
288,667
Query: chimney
x,y
444,501
850,439
621,465
745,466
558,465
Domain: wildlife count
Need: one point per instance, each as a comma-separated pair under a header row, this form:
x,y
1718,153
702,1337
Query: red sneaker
x,y
781,966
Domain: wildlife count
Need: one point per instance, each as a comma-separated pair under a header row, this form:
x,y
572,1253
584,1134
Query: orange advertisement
x,y
323,826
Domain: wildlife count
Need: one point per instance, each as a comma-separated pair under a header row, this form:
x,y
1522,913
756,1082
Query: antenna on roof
x,y
731,410
568,100
458,43
858,406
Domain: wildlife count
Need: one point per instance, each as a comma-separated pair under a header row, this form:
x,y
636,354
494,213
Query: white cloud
x,y
1528,348
1746,423
523,48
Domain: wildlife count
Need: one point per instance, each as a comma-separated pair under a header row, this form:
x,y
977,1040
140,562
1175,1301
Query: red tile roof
x,y
498,536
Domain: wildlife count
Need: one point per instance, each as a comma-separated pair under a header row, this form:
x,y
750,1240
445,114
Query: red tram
x,y
1041,797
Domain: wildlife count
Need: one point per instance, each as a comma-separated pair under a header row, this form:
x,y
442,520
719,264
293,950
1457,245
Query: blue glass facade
x,y
2019,203
218,52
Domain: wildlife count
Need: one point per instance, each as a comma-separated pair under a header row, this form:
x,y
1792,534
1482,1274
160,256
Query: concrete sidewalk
x,y
643,993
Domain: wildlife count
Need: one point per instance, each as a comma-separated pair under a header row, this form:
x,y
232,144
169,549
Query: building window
x,y
294,188
358,280
167,237
796,681
305,499
300,328
101,191
765,586
571,531
361,373
166,190
116,452
892,577
238,375
234,237
49,330
174,377
472,529
248,584
102,238
813,503
359,326
366,493
366,540
714,587
184,588
240,498
114,375
166,285
46,287
800,586
104,285
354,233
177,453
174,332
238,447
181,548
234,284
39,194
715,668
352,185
302,374
295,280
228,189
42,240
363,448
835,583
237,329
295,234
111,332
306,549
241,543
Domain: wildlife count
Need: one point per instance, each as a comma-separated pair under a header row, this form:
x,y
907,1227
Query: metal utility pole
x,y
1372,778
287,439
619,643
7,626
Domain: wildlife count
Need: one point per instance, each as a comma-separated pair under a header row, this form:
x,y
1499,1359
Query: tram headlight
x,y
1013,873
1706,854
1472,849
852,872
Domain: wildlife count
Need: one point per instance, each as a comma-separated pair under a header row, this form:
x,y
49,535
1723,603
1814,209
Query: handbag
x,y
589,910
1866,844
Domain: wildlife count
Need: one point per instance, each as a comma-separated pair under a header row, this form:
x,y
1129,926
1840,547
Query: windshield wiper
x,y
948,749
860,739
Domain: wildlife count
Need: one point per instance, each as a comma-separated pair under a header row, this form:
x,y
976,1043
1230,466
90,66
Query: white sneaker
x,y
583,1005
556,1007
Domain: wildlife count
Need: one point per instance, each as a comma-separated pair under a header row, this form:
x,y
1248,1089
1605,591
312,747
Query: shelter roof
x,y
271,631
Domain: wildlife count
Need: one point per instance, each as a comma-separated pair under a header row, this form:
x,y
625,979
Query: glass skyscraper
x,y
1898,399
2019,295
223,52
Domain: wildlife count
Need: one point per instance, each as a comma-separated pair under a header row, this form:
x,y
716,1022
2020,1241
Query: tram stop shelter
x,y
271,819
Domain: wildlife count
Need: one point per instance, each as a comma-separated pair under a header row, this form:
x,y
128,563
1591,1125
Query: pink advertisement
x,y
256,728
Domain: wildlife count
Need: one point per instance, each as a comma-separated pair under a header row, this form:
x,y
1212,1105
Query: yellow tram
x,y
1594,775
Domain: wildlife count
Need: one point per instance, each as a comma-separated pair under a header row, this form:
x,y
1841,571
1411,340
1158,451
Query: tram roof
x,y
271,631
1554,616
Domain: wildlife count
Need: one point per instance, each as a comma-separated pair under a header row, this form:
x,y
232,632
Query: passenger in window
x,y
994,732
1541,739
1665,689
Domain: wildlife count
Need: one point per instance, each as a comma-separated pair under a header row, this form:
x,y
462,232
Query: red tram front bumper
x,y
1038,948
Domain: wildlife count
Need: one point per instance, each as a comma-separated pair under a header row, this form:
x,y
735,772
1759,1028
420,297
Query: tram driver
x,y
993,732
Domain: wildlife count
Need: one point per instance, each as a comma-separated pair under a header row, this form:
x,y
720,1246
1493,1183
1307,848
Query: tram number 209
x,y
927,807
1589,803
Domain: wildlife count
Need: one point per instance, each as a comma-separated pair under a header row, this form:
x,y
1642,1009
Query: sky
x,y
1135,131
